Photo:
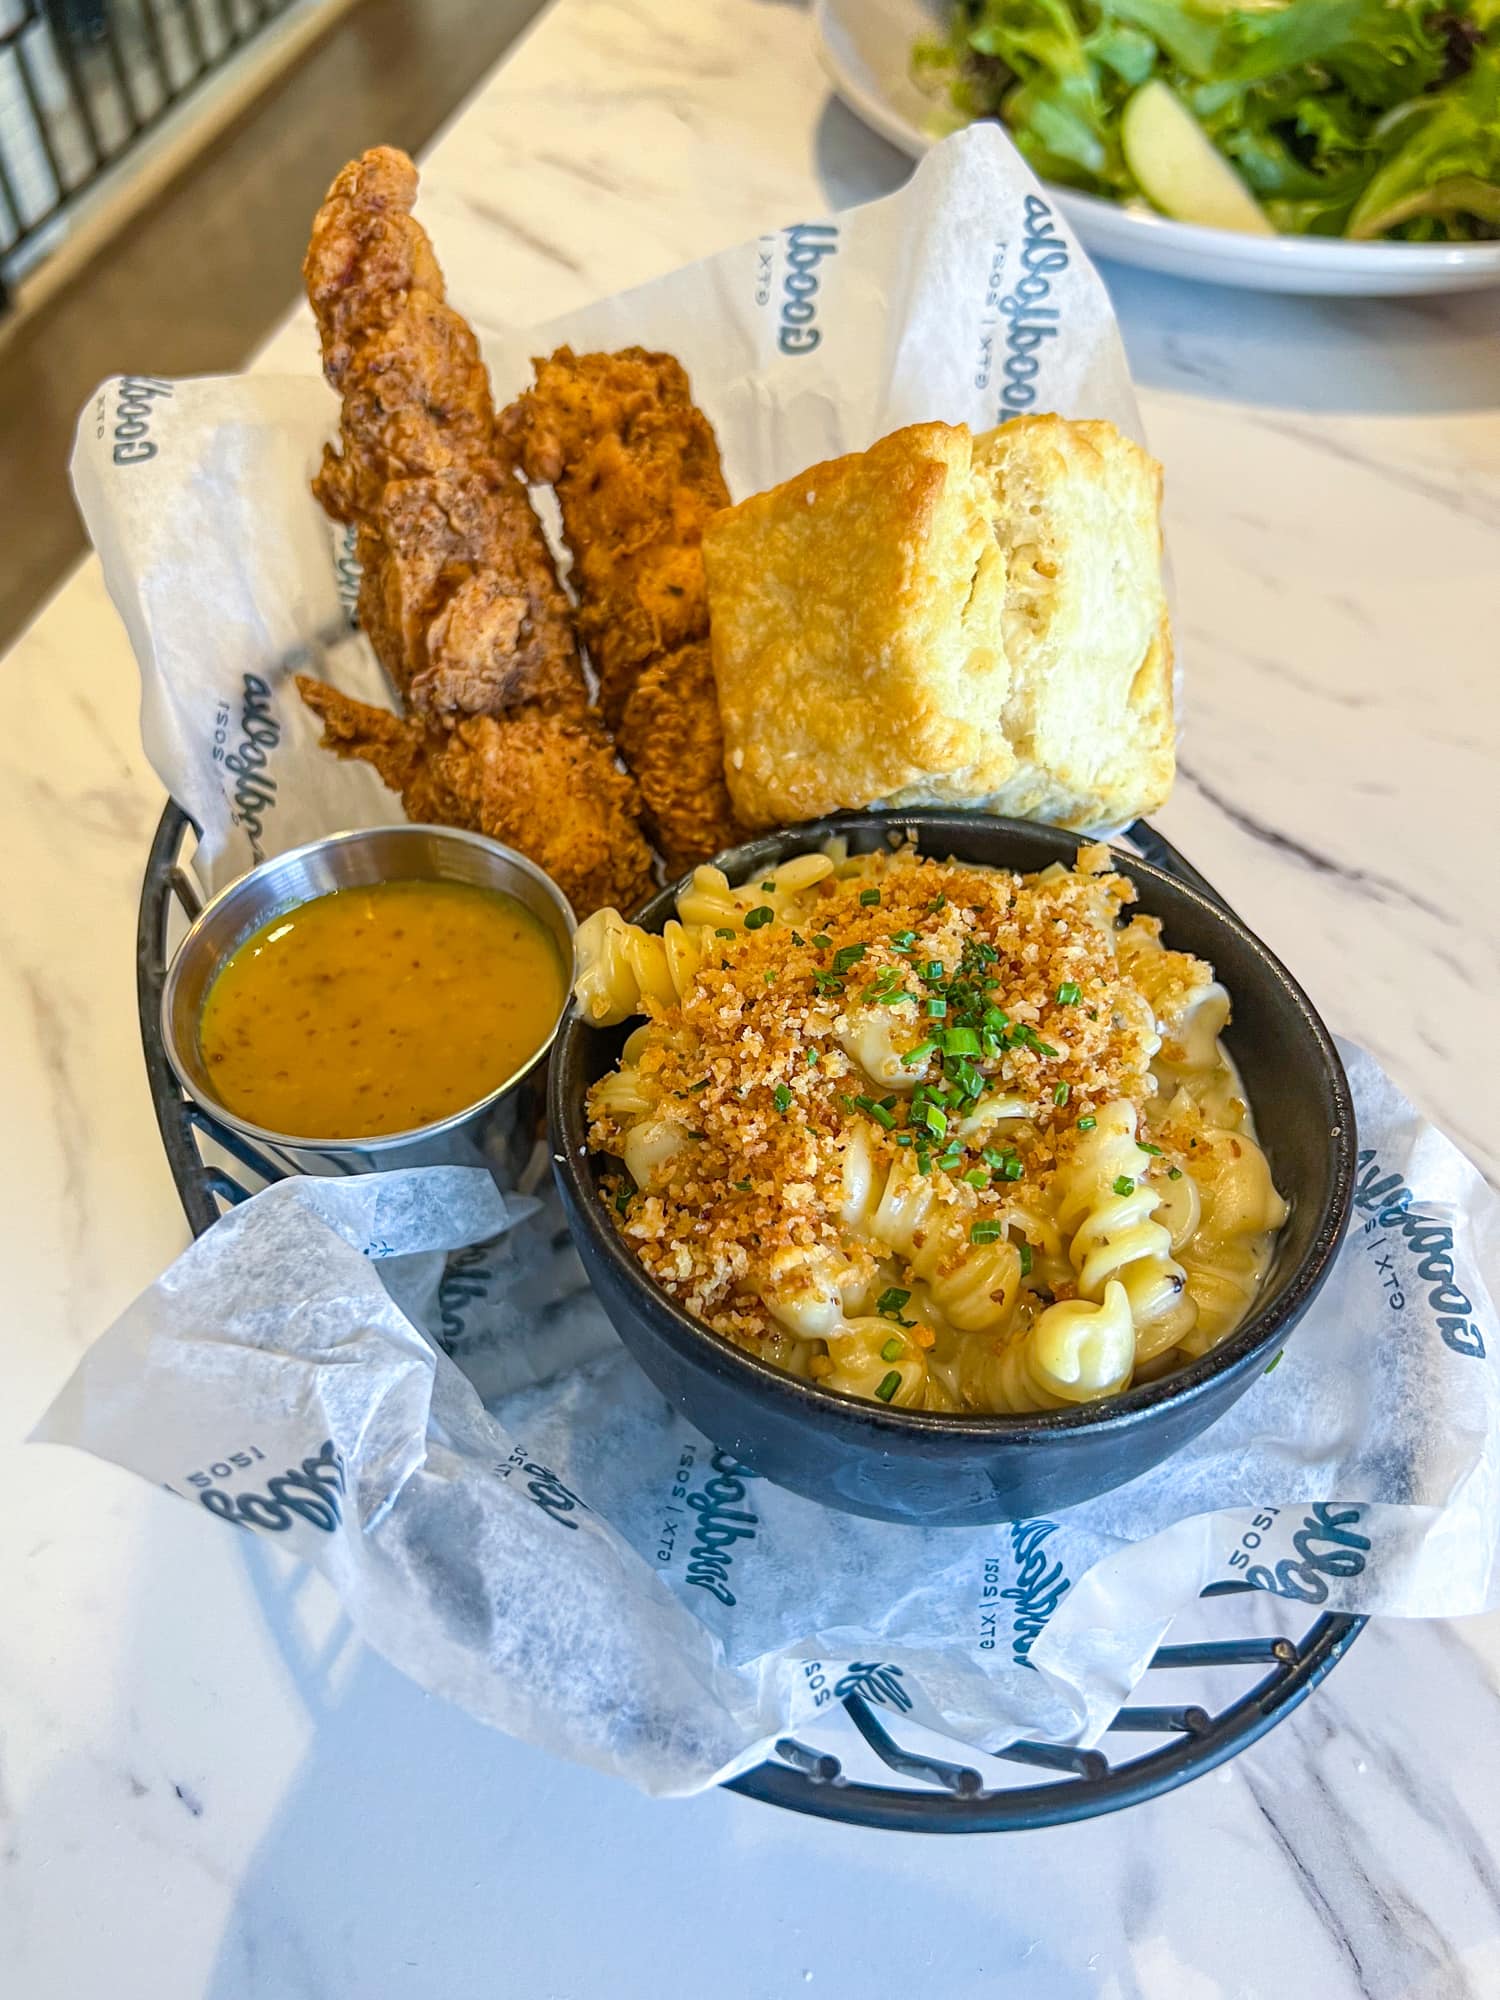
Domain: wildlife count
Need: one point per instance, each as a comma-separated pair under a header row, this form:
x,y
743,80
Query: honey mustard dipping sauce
x,y
379,1009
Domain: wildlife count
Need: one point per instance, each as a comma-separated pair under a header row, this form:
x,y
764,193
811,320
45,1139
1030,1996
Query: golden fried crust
x,y
670,737
552,788
542,783
459,594
636,469
857,633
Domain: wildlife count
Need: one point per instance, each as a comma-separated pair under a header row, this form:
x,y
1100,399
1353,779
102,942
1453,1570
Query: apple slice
x,y
1179,168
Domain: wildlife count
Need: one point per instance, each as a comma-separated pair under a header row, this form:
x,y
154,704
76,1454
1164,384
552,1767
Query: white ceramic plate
x,y
865,46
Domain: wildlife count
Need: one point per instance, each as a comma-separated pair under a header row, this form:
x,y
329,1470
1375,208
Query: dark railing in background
x,y
82,82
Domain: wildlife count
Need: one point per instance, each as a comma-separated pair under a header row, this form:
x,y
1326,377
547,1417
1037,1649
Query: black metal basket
x,y
214,1169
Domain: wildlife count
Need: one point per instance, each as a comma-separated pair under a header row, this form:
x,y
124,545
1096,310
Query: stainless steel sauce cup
x,y
483,1134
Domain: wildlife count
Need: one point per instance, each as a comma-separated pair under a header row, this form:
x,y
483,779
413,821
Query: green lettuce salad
x,y
1358,118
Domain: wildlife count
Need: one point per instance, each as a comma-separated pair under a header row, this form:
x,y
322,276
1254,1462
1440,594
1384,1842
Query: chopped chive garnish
x,y
936,1121
782,1097
743,1186
798,939
812,1058
891,1302
1069,993
869,897
1123,1184
770,979
903,940
724,933
937,1009
760,916
1025,1260
937,903
1087,1124
933,969
960,1042
876,1111
1277,1362
823,943
847,955
828,982
886,1389
924,1161
996,1020
890,1102
986,1232
903,1138
919,1054
623,1199
1060,1093
1147,1147
950,1157
1013,1169
1046,1049
993,1157
702,1083
769,888
892,1349
977,1177
1174,1173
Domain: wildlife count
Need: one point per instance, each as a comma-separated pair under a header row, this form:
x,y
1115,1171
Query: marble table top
x,y
207,1787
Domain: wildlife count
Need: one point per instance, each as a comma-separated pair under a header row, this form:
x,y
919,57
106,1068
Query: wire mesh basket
x,y
1203,1700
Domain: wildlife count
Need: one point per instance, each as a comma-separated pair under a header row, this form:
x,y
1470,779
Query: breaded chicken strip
x,y
669,735
458,592
538,782
636,469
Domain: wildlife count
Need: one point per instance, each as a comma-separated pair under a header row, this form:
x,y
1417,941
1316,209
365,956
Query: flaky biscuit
x,y
949,621
1077,507
856,620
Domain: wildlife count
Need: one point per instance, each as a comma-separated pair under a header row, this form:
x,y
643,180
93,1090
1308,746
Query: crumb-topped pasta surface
x,y
929,1132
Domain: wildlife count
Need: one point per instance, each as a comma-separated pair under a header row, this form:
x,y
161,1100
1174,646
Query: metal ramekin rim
x,y
351,837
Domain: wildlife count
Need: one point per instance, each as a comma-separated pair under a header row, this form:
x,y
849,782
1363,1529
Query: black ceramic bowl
x,y
943,1470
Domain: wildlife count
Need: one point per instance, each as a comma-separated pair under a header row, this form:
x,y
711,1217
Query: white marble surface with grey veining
x,y
206,1787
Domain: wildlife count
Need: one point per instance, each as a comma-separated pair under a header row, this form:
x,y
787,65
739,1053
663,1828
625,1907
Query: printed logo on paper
x,y
1327,1544
312,1492
557,1501
466,1280
1027,320
807,244
874,1681
1409,1248
243,744
1040,1586
723,1523
1037,1587
136,397
346,574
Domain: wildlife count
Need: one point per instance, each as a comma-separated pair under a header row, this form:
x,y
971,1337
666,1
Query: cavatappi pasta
x,y
936,1134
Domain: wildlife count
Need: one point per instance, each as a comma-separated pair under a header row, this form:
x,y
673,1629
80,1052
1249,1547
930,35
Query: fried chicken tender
x,y
635,466
542,783
458,592
669,735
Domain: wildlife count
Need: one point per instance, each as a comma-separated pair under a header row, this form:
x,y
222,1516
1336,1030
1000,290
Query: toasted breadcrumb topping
x,y
752,1066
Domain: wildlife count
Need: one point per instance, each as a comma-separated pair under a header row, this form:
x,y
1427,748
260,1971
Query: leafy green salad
x,y
1359,118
